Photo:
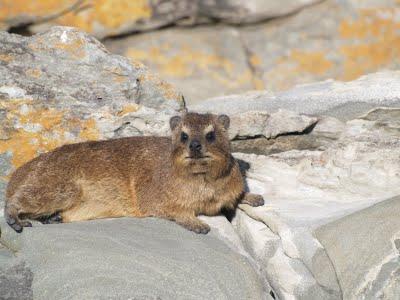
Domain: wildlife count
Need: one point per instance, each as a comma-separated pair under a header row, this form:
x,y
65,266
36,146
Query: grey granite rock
x,y
108,18
362,247
353,38
15,278
342,100
134,258
307,190
269,125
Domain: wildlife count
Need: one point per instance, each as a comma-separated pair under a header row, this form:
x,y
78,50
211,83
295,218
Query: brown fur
x,y
135,176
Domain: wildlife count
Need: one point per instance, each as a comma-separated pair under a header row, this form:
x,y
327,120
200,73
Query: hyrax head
x,y
200,143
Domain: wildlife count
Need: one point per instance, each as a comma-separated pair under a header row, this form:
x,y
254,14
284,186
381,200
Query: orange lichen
x,y
255,60
12,8
74,47
39,130
166,89
111,14
26,144
310,62
188,62
258,84
115,13
184,63
6,57
128,109
89,131
36,73
375,41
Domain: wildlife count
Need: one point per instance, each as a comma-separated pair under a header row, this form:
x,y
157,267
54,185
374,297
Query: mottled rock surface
x,y
341,100
339,39
365,249
115,17
15,277
132,258
313,191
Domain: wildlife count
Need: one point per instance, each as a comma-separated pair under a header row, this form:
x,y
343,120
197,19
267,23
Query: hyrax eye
x,y
184,137
210,137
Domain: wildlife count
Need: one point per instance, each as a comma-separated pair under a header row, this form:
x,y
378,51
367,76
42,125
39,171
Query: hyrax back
x,y
177,178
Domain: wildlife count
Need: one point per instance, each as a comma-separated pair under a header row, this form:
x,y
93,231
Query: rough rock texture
x,y
261,123
313,191
133,258
351,38
15,277
341,100
317,194
63,86
113,17
373,270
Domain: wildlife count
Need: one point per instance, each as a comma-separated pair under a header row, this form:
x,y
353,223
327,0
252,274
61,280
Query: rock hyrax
x,y
176,178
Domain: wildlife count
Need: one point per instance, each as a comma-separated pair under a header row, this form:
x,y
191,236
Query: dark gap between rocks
x,y
22,29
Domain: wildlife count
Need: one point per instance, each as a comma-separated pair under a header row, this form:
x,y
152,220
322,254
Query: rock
x,y
111,17
341,100
289,276
202,61
239,12
287,122
63,86
298,236
364,248
280,144
15,280
134,258
260,123
353,38
328,127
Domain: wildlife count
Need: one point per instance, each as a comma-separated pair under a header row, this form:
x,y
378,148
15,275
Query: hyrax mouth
x,y
195,157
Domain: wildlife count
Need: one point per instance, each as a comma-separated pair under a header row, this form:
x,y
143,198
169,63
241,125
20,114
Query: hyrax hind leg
x,y
36,201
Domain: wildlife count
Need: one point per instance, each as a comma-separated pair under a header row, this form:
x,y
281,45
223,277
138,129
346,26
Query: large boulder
x,y
352,38
125,258
341,100
63,86
304,238
365,249
114,17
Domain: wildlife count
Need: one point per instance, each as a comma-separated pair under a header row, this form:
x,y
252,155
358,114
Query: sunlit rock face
x,y
114,17
342,40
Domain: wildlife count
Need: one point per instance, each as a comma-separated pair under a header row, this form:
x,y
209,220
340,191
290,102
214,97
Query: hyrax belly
x,y
105,198
40,195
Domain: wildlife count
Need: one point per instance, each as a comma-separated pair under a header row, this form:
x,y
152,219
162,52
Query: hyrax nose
x,y
195,146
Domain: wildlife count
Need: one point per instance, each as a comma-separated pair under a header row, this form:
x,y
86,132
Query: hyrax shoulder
x,y
177,178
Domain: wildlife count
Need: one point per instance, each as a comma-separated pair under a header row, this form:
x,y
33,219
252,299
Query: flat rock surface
x,y
342,100
365,249
132,258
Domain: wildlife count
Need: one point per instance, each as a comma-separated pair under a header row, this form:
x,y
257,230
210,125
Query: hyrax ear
x,y
174,122
224,120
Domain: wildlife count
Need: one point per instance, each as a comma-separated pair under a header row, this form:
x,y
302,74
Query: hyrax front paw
x,y
195,225
253,199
